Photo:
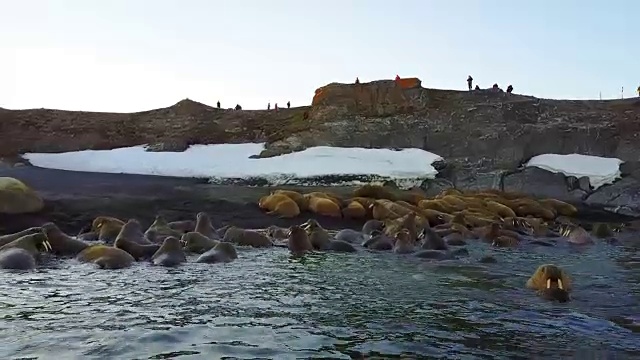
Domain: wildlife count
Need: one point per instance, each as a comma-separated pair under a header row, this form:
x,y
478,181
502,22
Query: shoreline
x,y
73,199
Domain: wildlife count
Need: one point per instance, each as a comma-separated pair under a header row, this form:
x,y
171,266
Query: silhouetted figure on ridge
x,y
397,77
275,107
238,107
509,89
288,104
269,106
477,87
470,82
218,104
357,81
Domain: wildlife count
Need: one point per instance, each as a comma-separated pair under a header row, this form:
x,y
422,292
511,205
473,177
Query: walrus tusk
x,y
47,246
560,285
98,226
548,283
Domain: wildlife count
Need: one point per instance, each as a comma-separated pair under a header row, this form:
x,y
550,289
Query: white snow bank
x,y
407,167
599,170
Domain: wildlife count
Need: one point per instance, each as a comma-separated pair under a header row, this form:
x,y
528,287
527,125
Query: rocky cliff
x,y
484,135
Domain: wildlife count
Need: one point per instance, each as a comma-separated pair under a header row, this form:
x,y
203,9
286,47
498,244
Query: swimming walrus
x,y
576,235
404,243
106,257
244,237
126,241
430,240
61,243
197,243
5,239
159,230
106,228
205,227
350,236
183,226
318,236
378,241
22,253
224,252
372,225
298,242
551,282
170,253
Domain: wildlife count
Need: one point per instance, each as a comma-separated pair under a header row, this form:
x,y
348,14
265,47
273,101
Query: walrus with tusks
x,y
159,230
126,242
61,243
551,282
298,242
318,236
404,243
107,228
195,242
170,253
243,237
5,239
378,241
430,240
22,253
224,252
205,227
372,225
106,257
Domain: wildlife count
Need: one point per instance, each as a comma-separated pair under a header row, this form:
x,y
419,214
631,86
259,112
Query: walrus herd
x,y
401,222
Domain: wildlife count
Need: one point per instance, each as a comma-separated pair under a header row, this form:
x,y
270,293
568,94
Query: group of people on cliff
x,y
495,87
238,107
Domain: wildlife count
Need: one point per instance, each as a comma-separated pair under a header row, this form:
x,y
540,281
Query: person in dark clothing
x,y
357,81
218,104
238,107
269,106
470,82
477,87
509,89
275,107
288,104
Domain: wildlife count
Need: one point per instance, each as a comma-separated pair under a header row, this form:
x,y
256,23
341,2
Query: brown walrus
x,y
107,228
404,243
430,240
61,243
379,241
576,234
223,252
197,243
22,253
298,242
159,230
106,257
183,226
126,242
318,236
244,237
170,253
5,239
205,227
551,282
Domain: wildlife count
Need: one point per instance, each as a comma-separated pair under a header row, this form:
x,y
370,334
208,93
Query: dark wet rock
x,y
460,252
454,241
621,197
169,146
543,184
630,169
472,180
541,243
433,187
433,254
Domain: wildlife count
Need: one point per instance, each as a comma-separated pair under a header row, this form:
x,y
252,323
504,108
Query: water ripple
x,y
268,305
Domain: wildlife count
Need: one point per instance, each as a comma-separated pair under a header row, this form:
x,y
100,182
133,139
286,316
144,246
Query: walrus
x,y
374,192
602,230
354,210
576,234
350,236
244,237
407,222
365,202
372,225
159,230
434,254
298,198
197,243
5,239
499,209
340,246
560,207
505,241
551,282
22,253
205,227
277,232
379,241
430,240
125,241
323,206
224,252
133,232
61,243
449,191
437,205
318,236
403,242
170,253
107,228
455,239
326,195
106,257
280,205
183,226
298,242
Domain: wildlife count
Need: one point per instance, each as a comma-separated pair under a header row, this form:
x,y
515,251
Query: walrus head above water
x,y
576,234
34,244
551,282
311,225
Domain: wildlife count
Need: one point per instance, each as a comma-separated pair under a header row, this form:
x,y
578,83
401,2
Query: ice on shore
x,y
407,167
599,170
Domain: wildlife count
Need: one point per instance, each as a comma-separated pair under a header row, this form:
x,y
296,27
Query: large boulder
x,y
18,198
622,197
541,183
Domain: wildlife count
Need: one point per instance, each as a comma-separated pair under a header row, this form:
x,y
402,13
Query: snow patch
x,y
599,170
231,163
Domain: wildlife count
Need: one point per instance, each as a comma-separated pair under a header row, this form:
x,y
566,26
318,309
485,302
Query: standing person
x,y
276,107
288,104
397,77
218,103
269,106
509,89
470,82
357,81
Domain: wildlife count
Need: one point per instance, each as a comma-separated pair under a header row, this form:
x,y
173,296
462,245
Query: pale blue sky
x,y
132,55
